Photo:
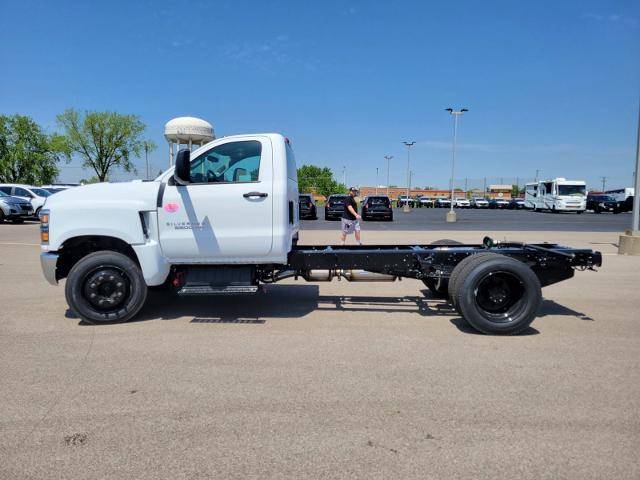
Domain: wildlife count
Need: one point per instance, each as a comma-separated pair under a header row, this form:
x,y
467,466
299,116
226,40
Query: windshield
x,y
603,198
2,194
571,190
41,192
378,200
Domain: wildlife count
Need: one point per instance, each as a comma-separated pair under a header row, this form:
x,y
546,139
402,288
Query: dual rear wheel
x,y
494,293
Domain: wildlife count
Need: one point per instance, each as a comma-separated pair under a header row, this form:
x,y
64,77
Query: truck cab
x,y
235,204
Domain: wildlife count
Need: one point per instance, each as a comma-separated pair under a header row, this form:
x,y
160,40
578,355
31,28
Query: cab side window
x,y
21,192
6,190
234,162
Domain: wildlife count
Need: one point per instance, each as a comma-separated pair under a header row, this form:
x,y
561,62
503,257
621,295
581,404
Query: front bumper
x,y
48,262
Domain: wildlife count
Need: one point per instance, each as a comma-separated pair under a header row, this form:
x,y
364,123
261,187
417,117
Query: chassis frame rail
x,y
551,262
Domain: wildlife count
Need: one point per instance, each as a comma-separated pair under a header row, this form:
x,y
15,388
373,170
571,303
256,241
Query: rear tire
x,y
496,294
106,287
440,287
1,216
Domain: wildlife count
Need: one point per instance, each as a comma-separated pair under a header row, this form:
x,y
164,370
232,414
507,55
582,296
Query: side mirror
x,y
182,170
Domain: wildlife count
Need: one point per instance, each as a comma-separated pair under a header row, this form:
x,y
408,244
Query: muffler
x,y
365,276
318,275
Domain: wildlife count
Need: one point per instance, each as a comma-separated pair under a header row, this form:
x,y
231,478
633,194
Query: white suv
x,y
462,202
36,196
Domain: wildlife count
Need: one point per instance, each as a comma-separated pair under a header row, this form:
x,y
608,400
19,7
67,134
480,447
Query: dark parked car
x,y
516,203
498,203
603,203
334,207
307,207
377,207
443,202
627,205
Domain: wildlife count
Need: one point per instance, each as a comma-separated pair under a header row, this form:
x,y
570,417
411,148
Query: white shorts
x,y
350,226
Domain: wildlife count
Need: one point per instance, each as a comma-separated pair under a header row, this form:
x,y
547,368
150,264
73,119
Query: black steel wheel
x,y
497,295
440,286
106,287
1,216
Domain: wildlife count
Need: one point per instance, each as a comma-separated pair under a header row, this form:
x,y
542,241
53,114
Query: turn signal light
x,y
44,237
44,218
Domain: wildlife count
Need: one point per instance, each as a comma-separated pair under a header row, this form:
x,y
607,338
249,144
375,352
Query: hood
x,y
14,201
136,194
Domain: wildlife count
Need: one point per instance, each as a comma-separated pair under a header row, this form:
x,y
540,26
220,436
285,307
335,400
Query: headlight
x,y
601,204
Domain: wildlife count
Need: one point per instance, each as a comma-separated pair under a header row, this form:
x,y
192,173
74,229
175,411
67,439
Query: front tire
x,y
106,287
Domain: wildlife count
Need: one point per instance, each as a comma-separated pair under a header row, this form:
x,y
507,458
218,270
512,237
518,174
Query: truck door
x,y
225,213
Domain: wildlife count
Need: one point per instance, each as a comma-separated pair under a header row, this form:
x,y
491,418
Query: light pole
x,y
344,175
451,215
387,158
406,207
629,242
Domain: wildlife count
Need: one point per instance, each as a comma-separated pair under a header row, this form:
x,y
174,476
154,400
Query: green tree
x,y
318,180
103,140
27,154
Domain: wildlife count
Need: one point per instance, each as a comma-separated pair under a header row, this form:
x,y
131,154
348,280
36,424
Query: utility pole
x,y
465,186
537,172
344,175
406,207
484,188
387,158
451,215
604,182
376,180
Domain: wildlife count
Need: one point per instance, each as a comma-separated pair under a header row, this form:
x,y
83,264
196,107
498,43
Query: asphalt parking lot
x,y
420,219
325,380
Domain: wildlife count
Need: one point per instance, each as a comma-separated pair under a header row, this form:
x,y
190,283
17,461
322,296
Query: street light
x,y
406,207
451,215
387,158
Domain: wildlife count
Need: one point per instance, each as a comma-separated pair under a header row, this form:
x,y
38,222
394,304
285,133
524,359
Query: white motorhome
x,y
561,195
530,194
620,194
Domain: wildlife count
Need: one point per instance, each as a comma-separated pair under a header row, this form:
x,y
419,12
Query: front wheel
x,y
106,287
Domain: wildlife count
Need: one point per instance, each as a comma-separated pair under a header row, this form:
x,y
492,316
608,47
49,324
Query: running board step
x,y
191,290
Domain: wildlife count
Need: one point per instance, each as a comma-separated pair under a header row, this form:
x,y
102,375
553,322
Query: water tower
x,y
187,131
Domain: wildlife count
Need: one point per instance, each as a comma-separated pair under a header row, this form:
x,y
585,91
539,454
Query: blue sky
x,y
550,85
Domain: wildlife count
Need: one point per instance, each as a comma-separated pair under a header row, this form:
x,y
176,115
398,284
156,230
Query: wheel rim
x,y
500,296
106,288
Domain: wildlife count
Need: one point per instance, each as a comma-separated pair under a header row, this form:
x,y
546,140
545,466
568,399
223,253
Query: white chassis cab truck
x,y
224,220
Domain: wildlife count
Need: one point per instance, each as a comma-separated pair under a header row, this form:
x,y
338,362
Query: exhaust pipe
x,y
349,275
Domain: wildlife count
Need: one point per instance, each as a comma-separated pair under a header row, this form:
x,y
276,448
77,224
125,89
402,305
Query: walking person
x,y
350,221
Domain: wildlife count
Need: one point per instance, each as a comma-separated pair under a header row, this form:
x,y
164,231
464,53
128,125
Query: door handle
x,y
255,194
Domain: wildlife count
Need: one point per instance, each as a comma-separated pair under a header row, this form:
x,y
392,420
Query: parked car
x,y
498,203
14,208
35,195
479,202
334,207
443,203
377,207
461,202
56,188
603,203
403,199
307,207
516,204
427,202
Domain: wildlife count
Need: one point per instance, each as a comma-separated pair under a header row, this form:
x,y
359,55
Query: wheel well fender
x,y
76,248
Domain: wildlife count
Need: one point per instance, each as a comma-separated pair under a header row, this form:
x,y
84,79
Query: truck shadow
x,y
297,301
